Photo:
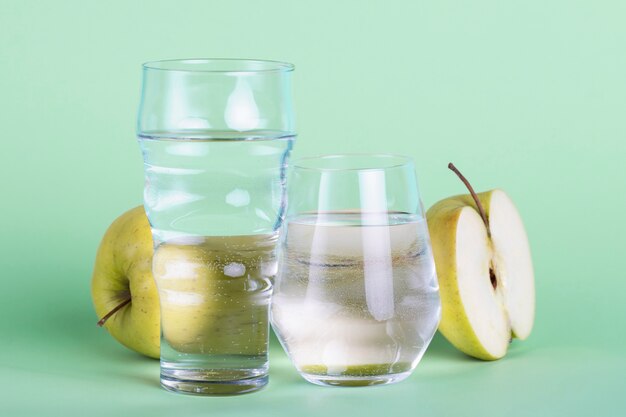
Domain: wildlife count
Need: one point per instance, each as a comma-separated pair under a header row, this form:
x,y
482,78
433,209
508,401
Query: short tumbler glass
x,y
356,299
215,136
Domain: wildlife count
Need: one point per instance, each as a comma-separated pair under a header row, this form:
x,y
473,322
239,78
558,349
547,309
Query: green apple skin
x,y
442,219
204,311
123,269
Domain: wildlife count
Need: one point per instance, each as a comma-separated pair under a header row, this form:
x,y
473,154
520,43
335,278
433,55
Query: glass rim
x,y
377,161
219,65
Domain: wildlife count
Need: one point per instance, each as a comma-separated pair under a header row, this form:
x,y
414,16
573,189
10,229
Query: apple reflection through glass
x,y
215,136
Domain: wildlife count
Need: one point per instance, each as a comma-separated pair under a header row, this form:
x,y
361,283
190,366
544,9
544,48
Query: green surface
x,y
527,96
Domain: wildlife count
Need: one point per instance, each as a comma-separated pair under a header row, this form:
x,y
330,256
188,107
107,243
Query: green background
x,y
527,96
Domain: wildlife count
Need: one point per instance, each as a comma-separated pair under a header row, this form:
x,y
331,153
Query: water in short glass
x,y
215,137
356,299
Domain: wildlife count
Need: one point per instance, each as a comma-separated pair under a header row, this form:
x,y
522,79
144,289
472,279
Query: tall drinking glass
x,y
356,299
215,136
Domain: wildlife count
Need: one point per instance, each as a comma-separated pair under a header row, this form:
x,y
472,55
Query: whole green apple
x,y
123,289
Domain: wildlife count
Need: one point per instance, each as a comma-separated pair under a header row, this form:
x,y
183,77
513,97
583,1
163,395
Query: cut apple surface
x,y
485,273
513,264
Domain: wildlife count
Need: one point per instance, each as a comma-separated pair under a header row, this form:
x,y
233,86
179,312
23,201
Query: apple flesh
x,y
485,273
123,290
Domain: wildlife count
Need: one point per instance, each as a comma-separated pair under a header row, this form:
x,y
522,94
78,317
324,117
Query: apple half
x,y
485,272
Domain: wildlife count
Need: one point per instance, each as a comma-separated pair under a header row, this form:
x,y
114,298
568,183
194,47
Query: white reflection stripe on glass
x,y
376,245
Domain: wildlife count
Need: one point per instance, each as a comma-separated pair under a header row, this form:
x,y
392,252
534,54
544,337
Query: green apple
x,y
214,293
123,290
485,271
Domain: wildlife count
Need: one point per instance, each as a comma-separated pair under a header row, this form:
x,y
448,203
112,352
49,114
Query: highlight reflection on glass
x,y
356,299
241,109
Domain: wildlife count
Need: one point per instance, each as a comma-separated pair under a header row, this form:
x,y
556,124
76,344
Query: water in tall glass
x,y
215,203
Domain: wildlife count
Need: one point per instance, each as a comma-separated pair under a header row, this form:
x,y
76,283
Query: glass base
x,y
354,381
187,382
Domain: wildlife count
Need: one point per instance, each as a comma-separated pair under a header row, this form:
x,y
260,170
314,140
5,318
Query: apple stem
x,y
115,310
481,210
